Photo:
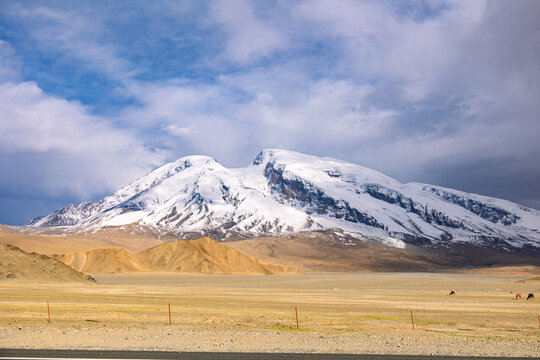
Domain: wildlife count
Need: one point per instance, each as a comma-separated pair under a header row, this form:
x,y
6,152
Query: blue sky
x,y
95,94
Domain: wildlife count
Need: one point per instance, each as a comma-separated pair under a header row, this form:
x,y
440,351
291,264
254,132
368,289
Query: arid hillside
x,y
5,229
51,241
16,264
206,256
316,251
201,256
104,261
325,252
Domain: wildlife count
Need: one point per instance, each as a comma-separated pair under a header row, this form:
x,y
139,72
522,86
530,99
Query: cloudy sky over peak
x,y
95,94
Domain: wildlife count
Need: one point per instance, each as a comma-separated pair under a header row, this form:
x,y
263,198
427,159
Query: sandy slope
x,y
20,265
104,261
206,256
325,253
201,256
63,243
5,229
311,251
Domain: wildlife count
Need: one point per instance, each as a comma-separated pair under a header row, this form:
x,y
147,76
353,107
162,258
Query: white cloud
x,y
79,34
273,111
351,79
178,130
9,63
71,151
248,36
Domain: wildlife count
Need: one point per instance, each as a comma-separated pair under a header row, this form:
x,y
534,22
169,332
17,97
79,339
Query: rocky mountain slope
x,y
200,256
284,192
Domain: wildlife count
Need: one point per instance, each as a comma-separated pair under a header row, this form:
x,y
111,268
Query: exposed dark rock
x,y
490,213
313,199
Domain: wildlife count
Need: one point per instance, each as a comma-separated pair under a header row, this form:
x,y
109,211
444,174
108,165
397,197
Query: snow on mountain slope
x,y
285,192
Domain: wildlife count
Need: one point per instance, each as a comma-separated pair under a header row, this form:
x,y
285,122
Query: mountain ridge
x,y
200,256
16,264
284,192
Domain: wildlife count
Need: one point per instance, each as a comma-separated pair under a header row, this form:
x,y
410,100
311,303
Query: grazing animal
x,y
530,297
452,292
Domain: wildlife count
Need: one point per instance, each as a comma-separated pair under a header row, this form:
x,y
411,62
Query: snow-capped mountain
x,y
285,192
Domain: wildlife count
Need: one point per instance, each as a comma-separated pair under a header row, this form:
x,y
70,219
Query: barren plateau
x,y
339,312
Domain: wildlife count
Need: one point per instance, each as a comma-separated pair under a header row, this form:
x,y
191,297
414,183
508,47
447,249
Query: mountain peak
x,y
284,192
286,156
267,155
197,159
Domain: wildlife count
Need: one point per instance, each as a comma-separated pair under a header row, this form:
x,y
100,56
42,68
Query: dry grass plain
x,y
338,312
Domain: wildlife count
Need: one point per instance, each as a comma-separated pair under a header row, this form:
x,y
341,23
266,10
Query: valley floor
x,y
337,312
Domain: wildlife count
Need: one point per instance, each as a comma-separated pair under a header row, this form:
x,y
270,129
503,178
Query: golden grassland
x,y
331,303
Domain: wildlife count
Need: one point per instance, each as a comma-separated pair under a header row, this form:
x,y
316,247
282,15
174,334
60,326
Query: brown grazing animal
x,y
452,292
530,297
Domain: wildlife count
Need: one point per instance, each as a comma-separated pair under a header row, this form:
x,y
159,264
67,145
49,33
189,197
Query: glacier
x,y
283,192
